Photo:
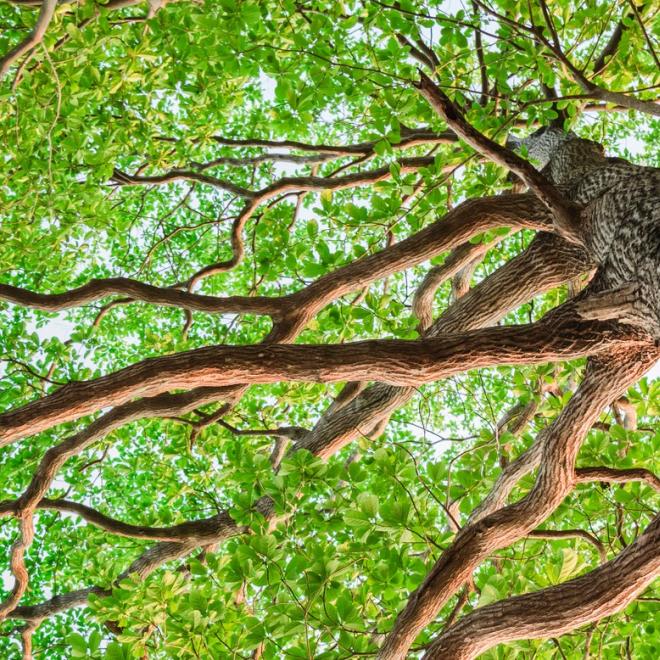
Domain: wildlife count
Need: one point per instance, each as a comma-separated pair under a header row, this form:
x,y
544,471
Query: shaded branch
x,y
34,39
552,534
460,258
98,289
295,310
193,531
283,185
478,46
610,48
614,475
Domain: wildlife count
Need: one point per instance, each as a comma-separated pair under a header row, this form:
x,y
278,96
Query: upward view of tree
x,y
326,328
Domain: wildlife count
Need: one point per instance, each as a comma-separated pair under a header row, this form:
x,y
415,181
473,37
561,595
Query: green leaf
x,y
78,645
368,503
569,564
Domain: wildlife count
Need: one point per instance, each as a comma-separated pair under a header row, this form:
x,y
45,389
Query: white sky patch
x,y
57,328
7,580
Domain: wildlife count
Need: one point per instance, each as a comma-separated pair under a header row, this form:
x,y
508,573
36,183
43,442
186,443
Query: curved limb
x,y
557,610
193,531
458,262
34,39
460,224
98,289
605,380
559,336
545,264
548,262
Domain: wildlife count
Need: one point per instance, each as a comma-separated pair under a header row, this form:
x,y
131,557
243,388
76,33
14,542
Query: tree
x,y
241,414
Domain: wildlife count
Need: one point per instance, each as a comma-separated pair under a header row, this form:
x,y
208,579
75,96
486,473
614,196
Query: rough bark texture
x,y
619,230
559,609
562,336
605,381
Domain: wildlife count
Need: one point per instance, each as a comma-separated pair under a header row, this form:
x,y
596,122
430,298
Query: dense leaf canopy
x,y
151,140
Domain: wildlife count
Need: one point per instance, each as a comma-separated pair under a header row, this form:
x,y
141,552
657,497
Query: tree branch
x,y
614,475
570,534
35,38
559,337
295,310
565,213
591,89
604,381
458,259
193,531
559,609
169,297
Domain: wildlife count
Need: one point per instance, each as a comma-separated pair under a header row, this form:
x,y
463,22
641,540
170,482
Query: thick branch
x,y
390,361
604,382
610,49
557,610
548,262
471,217
459,259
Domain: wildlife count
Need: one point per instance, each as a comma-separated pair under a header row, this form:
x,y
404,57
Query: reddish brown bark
x,y
604,382
560,337
559,609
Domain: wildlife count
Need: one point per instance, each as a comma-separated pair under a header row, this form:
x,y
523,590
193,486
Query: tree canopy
x,y
271,337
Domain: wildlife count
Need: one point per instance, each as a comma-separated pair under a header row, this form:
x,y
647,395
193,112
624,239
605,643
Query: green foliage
x,y
355,537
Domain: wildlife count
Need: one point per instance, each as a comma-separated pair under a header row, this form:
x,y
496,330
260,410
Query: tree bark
x,y
559,609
